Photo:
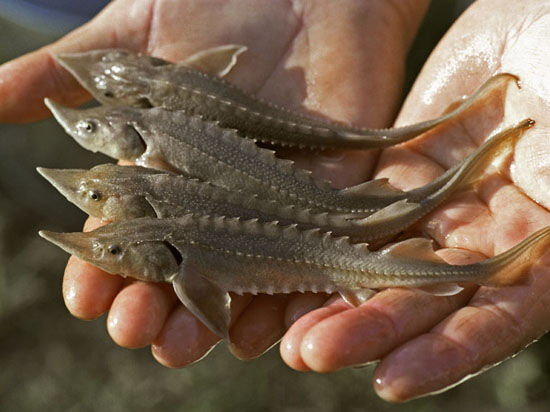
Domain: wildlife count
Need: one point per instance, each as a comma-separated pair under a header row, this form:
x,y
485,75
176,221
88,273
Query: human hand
x,y
332,58
428,343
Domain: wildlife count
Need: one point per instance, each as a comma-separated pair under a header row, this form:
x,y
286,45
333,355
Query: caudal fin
x,y
494,151
402,134
510,267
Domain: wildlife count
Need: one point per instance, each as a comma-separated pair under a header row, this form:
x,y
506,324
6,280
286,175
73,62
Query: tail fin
x,y
511,266
495,149
402,134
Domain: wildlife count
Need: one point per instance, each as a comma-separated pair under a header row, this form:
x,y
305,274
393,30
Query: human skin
x,y
427,343
336,60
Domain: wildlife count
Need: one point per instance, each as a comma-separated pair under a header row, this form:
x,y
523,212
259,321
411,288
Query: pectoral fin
x,y
217,61
357,297
442,289
394,211
414,249
162,209
377,188
204,299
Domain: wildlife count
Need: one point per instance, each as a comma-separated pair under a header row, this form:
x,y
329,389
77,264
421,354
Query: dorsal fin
x,y
216,61
376,188
416,249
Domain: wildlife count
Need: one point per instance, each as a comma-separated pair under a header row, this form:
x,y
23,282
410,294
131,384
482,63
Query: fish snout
x,y
66,181
75,243
79,63
67,117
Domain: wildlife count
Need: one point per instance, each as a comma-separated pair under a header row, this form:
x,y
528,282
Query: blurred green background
x,y
50,360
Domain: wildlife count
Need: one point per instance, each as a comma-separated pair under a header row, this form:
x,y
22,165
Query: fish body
x,y
207,257
202,149
113,192
117,76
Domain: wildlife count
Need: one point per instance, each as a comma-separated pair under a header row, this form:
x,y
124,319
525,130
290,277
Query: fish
x,y
113,193
206,257
189,145
121,77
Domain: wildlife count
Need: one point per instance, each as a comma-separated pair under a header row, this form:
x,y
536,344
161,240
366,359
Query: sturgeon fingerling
x,y
207,257
121,77
189,145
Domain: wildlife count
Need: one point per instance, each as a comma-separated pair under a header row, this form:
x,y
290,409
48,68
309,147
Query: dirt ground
x,y
50,360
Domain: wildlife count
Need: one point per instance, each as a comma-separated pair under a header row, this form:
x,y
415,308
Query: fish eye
x,y
94,194
86,125
114,249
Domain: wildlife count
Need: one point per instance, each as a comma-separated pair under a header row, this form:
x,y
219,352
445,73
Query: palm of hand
x,y
427,343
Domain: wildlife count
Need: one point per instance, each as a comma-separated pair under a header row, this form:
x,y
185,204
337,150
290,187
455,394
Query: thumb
x,y
25,81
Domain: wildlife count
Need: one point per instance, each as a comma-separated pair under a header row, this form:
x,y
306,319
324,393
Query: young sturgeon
x,y
164,139
205,258
122,77
114,193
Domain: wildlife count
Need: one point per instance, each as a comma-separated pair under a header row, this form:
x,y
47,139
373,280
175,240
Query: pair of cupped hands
x,y
345,60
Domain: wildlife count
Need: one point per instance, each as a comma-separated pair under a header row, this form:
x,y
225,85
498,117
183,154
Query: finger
x,y
299,304
496,324
258,327
364,334
24,82
183,340
292,340
325,341
88,291
139,312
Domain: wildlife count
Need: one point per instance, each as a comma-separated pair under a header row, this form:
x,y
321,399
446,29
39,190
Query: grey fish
x,y
117,76
205,258
114,193
170,140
